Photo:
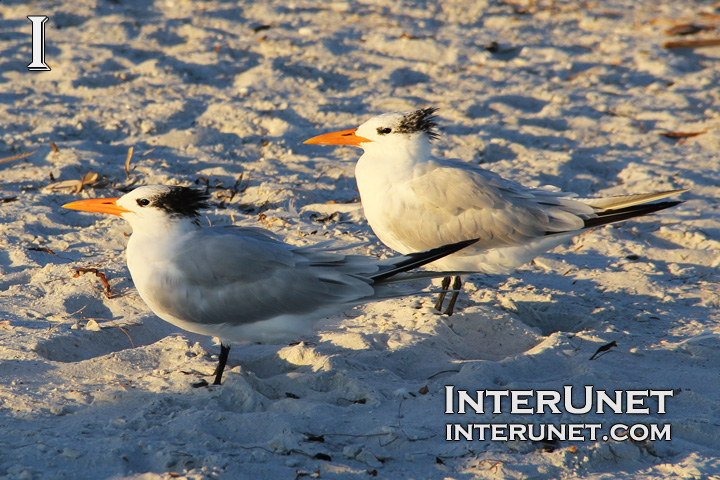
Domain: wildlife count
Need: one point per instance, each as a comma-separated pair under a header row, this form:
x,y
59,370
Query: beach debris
x,y
225,195
82,270
303,474
332,218
127,161
695,43
15,157
42,249
686,29
681,134
92,325
604,349
200,384
690,26
309,437
548,445
76,185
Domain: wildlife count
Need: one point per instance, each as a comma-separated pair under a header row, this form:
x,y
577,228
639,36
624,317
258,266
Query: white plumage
x,y
242,283
414,201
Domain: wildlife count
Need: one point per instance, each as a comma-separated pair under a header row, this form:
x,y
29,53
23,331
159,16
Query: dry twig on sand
x,y
15,157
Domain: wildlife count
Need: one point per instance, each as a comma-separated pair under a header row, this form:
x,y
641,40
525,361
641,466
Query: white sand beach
x,y
584,96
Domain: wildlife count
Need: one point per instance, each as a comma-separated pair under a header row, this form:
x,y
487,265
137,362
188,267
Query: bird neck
x,y
160,229
394,158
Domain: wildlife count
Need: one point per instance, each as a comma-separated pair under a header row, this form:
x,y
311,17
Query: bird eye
x,y
384,130
143,202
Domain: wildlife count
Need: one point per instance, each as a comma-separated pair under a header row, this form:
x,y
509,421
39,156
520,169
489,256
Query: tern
x,y
414,201
242,283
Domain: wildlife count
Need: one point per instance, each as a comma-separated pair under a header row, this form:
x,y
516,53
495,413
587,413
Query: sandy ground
x,y
222,94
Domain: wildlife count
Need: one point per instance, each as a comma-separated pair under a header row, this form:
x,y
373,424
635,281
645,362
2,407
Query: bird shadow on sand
x,y
481,331
82,344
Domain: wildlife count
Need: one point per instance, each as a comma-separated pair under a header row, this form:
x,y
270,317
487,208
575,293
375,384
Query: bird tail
x,y
394,267
623,207
617,215
624,201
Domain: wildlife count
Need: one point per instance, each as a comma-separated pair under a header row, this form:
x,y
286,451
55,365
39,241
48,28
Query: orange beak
x,y
102,205
343,137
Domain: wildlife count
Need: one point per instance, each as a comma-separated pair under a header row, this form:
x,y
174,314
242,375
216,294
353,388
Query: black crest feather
x,y
421,120
183,201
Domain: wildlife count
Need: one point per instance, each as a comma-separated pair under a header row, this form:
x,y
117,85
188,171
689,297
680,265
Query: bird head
x,y
383,131
152,204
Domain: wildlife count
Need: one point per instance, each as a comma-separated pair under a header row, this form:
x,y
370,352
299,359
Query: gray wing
x,y
242,276
455,204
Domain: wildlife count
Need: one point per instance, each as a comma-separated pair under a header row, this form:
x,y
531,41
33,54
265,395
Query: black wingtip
x,y
612,216
418,259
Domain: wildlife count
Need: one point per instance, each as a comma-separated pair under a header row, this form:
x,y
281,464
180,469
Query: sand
x,y
580,95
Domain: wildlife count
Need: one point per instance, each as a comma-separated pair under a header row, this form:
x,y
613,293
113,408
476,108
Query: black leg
x,y
457,285
222,360
441,298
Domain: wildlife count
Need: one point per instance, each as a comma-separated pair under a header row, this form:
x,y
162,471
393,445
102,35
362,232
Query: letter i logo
x,y
38,43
